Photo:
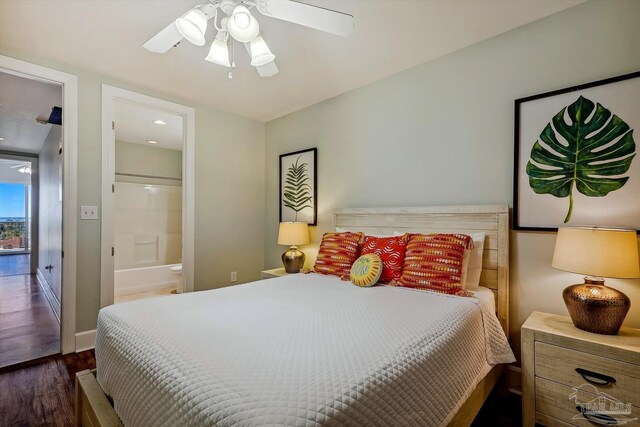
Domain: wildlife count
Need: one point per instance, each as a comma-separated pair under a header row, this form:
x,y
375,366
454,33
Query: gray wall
x,y
442,133
50,211
139,159
229,187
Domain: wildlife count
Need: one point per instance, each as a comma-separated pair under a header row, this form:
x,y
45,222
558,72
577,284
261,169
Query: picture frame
x,y
298,186
577,170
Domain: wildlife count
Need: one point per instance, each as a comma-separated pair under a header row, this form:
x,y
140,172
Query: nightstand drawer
x,y
553,348
562,365
548,421
561,402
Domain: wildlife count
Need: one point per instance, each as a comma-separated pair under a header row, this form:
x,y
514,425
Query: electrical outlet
x,y
234,276
88,212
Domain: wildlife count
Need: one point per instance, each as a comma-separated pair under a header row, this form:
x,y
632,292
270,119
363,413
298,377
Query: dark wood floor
x,y
10,265
41,393
500,411
28,327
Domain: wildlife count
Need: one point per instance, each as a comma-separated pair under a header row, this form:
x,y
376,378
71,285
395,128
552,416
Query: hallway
x,y
28,326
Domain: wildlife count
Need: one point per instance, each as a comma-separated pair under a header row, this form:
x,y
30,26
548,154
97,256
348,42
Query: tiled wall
x,y
148,225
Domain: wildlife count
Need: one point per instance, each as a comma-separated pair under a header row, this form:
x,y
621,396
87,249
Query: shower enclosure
x,y
148,236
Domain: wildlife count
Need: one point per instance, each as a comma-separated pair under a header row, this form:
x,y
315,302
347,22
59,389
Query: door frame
x,y
111,95
69,84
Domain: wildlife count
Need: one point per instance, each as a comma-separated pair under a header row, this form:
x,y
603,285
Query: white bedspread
x,y
301,350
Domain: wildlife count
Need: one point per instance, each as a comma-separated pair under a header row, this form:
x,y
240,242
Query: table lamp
x,y
597,253
293,234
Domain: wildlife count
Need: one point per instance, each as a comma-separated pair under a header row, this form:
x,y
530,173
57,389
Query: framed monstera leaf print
x,y
299,187
577,156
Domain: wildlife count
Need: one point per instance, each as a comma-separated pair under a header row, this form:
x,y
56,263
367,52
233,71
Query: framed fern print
x,y
299,187
576,156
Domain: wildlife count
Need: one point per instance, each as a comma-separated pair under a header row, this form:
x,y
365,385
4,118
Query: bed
x,y
310,349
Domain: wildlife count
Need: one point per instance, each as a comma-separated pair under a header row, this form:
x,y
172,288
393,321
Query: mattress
x,y
301,350
486,298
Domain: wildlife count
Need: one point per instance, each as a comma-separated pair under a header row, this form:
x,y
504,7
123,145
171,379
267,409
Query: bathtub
x,y
146,279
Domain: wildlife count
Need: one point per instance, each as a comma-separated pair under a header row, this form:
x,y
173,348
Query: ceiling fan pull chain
x,y
233,58
233,54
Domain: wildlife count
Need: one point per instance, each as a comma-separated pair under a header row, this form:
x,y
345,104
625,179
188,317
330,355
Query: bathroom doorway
x,y
147,199
147,202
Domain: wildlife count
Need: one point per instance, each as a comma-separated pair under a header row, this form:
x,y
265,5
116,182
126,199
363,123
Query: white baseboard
x,y
48,293
85,340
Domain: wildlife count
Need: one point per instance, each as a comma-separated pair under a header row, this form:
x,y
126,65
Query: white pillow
x,y
474,268
471,261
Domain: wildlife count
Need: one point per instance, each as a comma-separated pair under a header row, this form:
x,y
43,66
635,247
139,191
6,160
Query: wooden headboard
x,y
493,220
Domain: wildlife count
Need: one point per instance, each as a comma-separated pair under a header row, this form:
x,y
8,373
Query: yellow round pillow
x,y
366,271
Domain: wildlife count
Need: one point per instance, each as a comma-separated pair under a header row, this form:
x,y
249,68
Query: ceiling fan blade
x,y
164,40
268,70
330,21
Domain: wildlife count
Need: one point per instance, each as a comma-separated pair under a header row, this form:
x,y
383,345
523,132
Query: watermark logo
x,y
602,409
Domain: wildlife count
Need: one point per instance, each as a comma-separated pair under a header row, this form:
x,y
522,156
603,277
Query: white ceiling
x,y
106,37
134,123
21,101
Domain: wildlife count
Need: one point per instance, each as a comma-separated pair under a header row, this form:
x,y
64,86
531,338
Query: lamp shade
x,y
260,53
293,233
597,252
193,25
242,25
219,52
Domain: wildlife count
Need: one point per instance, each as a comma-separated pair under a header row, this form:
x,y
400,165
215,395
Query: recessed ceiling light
x,y
160,122
1,139
151,141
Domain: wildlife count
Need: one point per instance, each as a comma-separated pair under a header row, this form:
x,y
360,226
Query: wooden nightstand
x,y
558,359
270,274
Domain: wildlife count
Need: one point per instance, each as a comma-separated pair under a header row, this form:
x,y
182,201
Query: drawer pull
x,y
597,418
595,378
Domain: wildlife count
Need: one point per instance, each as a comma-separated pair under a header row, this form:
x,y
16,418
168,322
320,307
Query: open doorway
x,y
30,218
147,196
147,202
68,84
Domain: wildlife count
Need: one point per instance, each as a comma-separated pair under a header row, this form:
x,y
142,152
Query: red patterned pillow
x,y
434,262
338,251
391,250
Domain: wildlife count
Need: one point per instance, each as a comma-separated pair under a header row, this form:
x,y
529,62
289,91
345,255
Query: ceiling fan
x,y
23,168
233,21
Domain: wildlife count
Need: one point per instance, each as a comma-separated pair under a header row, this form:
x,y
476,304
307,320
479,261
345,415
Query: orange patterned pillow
x,y
434,262
338,251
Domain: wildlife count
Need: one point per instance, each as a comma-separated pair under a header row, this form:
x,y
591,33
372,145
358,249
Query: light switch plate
x,y
88,212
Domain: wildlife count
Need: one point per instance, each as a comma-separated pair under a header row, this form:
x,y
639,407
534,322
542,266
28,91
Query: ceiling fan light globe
x,y
193,26
260,53
246,33
219,53
242,19
263,60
